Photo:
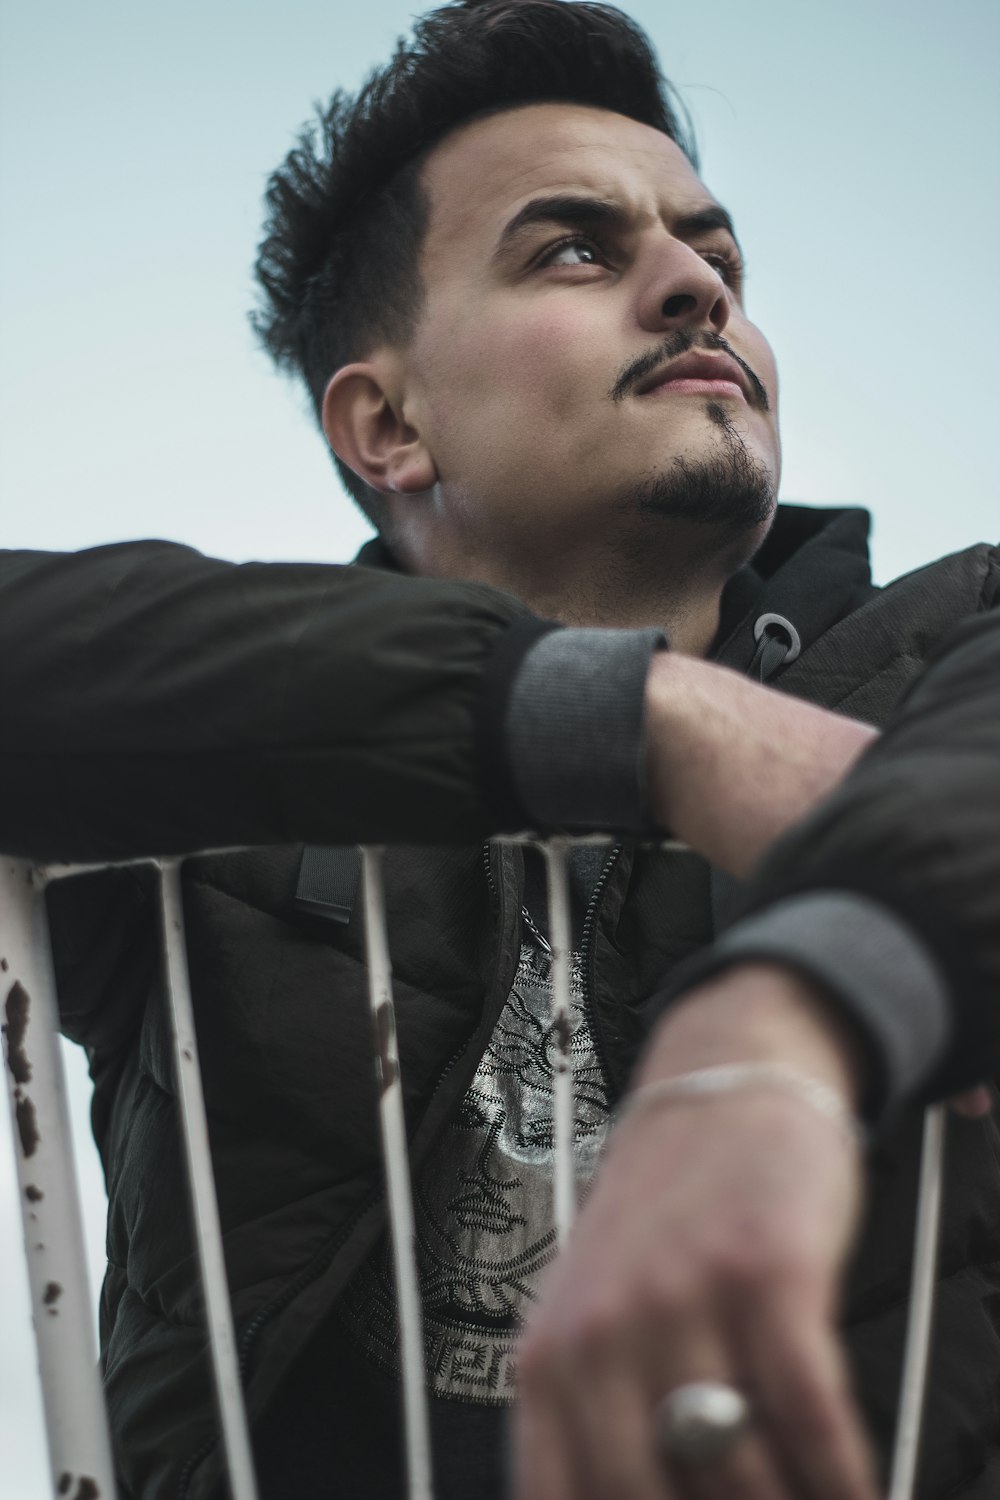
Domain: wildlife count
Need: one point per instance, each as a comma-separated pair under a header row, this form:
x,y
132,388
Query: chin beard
x,y
730,490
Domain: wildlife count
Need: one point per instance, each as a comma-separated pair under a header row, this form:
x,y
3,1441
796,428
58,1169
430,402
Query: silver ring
x,y
699,1423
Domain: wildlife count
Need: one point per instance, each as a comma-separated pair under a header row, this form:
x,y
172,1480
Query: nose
x,y
682,290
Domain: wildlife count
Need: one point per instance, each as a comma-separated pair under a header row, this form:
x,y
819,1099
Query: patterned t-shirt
x,y
483,1204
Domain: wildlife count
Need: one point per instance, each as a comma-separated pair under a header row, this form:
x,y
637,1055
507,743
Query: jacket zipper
x,y
304,1279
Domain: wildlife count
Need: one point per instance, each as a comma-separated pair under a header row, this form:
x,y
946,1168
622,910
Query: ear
x,y
364,425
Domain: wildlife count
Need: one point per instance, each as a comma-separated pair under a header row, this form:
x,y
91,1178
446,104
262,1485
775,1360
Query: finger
x,y
749,1471
795,1363
541,1458
614,1438
700,1351
974,1104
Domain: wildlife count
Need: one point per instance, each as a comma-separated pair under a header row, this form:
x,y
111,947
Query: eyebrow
x,y
579,211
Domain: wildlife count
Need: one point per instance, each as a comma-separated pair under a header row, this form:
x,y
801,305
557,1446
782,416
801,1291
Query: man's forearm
x,y
732,765
897,877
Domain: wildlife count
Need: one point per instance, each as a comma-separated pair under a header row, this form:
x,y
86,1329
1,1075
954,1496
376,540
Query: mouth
x,y
699,374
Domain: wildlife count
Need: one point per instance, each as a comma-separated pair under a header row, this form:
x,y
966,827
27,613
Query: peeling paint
x,y
388,1068
16,1010
27,1124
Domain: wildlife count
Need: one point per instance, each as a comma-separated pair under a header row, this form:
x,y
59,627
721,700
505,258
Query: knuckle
x,y
599,1328
668,1296
755,1262
534,1360
585,1337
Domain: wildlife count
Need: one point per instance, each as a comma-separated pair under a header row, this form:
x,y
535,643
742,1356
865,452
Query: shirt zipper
x,y
588,961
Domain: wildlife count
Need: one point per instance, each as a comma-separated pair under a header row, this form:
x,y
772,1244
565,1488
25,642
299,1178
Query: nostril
x,y
677,307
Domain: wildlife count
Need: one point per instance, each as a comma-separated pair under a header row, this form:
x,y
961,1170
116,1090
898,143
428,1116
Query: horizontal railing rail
x,y
76,1421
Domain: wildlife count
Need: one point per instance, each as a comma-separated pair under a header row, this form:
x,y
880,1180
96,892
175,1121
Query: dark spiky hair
x,y
339,265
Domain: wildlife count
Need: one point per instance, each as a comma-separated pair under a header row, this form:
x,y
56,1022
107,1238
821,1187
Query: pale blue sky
x,y
854,142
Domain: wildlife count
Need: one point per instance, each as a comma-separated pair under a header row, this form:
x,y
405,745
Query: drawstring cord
x,y
778,644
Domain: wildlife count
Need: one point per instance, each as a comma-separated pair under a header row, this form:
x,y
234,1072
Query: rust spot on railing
x,y
27,1123
388,1068
53,1291
563,1032
16,1011
86,1488
33,1194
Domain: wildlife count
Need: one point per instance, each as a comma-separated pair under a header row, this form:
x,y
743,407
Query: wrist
x,y
671,712
757,1012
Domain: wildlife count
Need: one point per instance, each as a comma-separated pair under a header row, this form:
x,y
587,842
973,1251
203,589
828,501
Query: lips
x,y
694,374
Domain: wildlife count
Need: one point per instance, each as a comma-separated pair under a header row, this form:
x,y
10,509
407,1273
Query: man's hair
x,y
339,264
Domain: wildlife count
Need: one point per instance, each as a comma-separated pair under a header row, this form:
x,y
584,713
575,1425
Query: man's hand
x,y
732,765
710,1248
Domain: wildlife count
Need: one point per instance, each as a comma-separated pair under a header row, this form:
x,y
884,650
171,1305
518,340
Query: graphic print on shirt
x,y
483,1204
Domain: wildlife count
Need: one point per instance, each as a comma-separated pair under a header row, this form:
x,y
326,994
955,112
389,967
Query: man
x,y
519,312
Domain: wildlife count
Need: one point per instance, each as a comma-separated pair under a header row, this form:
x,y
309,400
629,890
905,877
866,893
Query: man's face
x,y
583,336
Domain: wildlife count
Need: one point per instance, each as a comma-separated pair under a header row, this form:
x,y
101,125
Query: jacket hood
x,y
812,571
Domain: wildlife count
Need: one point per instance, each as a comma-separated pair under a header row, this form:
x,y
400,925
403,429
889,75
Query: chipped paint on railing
x,y
76,1424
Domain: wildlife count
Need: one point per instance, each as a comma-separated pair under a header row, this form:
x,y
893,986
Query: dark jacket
x,y
163,702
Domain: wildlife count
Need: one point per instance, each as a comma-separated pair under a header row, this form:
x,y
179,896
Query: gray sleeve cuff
x,y
575,729
872,964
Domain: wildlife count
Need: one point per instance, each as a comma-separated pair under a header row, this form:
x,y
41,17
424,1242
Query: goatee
x,y
731,490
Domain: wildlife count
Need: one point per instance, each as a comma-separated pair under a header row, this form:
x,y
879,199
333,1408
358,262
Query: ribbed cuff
x,y
574,729
871,964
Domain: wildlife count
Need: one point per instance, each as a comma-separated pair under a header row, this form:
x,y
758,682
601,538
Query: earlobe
x,y
365,427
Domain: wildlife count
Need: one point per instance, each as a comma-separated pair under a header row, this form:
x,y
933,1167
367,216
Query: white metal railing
x,y
76,1421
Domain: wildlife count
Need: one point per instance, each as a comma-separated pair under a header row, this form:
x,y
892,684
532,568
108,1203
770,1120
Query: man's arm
x,y
712,1243
156,701
732,765
887,898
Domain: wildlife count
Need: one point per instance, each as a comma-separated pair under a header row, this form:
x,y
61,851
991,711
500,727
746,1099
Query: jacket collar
x,y
812,569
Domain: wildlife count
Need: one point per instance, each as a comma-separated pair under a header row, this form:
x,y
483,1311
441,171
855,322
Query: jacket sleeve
x,y
888,896
157,701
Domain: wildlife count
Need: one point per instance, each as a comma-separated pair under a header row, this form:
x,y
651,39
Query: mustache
x,y
672,347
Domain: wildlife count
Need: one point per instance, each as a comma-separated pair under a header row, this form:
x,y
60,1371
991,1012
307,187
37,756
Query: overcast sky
x,y
854,142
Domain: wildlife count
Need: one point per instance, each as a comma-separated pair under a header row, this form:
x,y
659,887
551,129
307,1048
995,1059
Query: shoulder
x,y
864,663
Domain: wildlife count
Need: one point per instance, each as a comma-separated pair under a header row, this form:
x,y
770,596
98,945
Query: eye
x,y
574,250
727,263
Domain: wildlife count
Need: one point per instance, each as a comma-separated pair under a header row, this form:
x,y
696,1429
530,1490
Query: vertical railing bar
x,y
560,941
76,1420
918,1324
54,1241
397,1175
201,1183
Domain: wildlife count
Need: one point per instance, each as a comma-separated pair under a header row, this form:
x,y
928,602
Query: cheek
x,y
547,364
760,356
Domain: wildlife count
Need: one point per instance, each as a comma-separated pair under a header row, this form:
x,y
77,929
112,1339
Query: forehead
x,y
484,172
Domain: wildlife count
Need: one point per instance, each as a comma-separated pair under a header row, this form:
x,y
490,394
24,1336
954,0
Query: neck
x,y
676,586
